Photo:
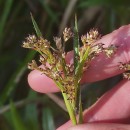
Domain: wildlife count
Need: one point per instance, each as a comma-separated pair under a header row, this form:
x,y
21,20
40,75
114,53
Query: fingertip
x,y
41,83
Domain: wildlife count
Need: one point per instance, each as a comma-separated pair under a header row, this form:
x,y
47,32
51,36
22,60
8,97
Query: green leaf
x,y
47,119
79,70
77,103
16,119
32,116
76,44
38,32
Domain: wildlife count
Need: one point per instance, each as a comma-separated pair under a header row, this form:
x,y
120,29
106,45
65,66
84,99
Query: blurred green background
x,y
20,107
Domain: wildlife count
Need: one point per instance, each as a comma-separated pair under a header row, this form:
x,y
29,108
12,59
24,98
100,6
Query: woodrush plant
x,y
67,76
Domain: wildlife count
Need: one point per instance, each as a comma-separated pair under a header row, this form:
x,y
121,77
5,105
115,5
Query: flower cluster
x,y
90,40
54,63
125,67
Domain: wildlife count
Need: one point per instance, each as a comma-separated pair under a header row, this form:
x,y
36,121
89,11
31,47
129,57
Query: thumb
x,y
100,126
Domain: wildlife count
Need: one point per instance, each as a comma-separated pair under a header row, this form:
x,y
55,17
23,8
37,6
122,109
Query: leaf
x,y
76,44
78,104
32,116
79,70
47,119
16,119
38,32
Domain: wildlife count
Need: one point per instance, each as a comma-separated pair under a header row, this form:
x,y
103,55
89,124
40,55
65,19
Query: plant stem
x,y
79,70
70,109
80,110
68,105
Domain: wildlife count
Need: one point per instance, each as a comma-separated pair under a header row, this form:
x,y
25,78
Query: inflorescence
x,y
54,62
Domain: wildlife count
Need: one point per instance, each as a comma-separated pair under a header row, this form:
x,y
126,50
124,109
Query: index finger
x,y
100,68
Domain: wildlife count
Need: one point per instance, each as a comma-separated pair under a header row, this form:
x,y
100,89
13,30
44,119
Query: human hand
x,y
112,110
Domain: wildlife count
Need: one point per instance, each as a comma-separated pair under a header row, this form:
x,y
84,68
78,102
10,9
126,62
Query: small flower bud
x,y
91,37
110,50
67,34
42,60
98,48
84,39
124,66
26,45
32,65
58,43
31,39
126,76
43,43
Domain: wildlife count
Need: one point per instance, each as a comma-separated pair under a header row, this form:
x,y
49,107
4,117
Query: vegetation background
x,y
20,107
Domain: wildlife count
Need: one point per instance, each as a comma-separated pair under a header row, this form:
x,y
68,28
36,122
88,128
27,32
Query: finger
x,y
103,67
112,107
100,68
41,83
100,126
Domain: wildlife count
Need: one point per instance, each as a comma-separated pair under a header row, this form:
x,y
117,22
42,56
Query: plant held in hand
x,y
67,76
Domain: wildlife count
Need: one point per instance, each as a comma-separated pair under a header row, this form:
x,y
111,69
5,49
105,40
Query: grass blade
x,y
17,121
38,32
76,44
78,103
47,120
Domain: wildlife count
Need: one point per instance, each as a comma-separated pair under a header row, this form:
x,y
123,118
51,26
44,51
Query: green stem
x,y
78,76
68,104
76,62
80,110
79,69
70,109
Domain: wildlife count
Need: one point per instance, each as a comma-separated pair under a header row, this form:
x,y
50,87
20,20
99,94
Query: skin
x,y
112,110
